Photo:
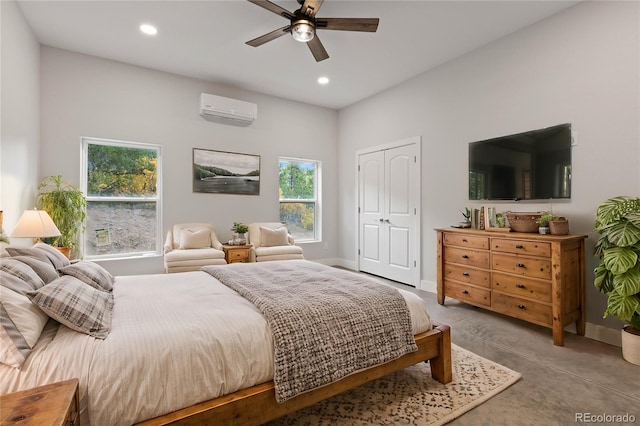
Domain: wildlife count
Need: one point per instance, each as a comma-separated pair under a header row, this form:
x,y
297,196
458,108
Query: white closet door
x,y
388,213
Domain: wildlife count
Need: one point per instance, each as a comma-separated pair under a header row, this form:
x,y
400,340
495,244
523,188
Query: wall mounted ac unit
x,y
227,110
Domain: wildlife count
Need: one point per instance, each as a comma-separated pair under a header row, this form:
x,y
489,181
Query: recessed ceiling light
x,y
148,29
323,80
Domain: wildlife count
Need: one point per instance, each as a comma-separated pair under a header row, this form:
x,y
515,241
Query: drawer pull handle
x,y
522,307
519,246
464,240
520,286
466,274
464,256
520,265
465,292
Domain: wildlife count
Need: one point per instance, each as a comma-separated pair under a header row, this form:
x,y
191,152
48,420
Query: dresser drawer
x,y
477,258
528,266
531,248
527,310
467,293
465,274
521,286
470,241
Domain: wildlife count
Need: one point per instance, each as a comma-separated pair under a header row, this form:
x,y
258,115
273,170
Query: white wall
x,y
581,66
19,116
88,96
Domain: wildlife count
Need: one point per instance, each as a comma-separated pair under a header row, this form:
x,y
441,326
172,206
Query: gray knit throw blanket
x,y
327,323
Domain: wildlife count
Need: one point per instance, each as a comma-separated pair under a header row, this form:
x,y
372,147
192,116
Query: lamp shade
x,y
35,224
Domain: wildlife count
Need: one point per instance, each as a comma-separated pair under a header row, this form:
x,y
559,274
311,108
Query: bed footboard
x,y
257,404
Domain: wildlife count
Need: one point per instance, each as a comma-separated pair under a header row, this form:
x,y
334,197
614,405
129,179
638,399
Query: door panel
x,y
388,186
371,203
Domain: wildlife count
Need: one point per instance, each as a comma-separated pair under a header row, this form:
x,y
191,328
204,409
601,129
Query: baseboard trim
x,y
608,335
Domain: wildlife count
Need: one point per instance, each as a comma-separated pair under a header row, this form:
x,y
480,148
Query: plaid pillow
x,y
58,259
22,271
91,273
76,305
44,269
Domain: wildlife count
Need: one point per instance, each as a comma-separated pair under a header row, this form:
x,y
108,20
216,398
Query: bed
x,y
184,348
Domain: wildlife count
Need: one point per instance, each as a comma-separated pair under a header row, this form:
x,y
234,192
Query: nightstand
x,y
236,254
51,405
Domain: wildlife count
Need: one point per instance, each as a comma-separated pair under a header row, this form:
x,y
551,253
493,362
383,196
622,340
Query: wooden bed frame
x,y
257,405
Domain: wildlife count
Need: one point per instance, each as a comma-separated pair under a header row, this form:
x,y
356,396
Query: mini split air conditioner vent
x,y
227,110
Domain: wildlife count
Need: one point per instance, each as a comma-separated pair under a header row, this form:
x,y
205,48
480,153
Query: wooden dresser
x,y
536,278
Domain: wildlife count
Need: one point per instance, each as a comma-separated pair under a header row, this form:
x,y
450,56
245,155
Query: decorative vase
x,y
543,230
631,345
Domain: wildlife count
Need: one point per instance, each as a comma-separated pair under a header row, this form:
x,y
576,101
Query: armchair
x,y
189,246
272,241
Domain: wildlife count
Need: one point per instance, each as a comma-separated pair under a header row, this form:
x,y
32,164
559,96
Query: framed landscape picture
x,y
223,172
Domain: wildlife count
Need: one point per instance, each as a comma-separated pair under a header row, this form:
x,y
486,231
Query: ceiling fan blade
x,y
317,49
259,41
272,7
348,24
311,7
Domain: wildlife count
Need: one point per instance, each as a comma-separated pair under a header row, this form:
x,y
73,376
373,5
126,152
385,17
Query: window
x,y
122,183
300,198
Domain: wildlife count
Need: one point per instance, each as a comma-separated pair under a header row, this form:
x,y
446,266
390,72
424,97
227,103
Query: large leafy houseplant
x,y
66,205
618,247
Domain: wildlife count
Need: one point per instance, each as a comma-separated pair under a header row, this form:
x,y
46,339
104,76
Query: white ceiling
x,y
206,40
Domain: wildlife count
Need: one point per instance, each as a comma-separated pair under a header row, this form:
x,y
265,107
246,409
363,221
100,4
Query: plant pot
x,y
66,251
631,345
544,230
559,226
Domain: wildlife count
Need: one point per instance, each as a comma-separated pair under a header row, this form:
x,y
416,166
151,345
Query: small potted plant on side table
x,y
240,230
618,275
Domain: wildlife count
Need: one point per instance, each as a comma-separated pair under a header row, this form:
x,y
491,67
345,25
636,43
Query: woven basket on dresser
x,y
523,221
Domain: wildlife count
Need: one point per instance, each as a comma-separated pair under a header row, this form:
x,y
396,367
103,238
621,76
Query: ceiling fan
x,y
303,25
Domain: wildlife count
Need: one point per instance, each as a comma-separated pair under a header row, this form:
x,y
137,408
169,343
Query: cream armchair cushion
x,y
271,241
190,246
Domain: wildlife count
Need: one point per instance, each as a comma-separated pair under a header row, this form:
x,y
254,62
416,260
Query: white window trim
x,y
85,141
317,200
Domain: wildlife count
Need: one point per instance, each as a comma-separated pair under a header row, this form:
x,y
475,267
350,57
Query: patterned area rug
x,y
411,396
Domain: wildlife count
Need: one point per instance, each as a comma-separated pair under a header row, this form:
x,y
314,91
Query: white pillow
x,y
195,238
274,237
21,323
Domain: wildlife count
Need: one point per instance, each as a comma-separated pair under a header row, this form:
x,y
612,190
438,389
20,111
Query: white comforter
x,y
176,340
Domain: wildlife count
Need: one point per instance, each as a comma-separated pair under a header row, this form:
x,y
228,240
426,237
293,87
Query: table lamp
x,y
35,224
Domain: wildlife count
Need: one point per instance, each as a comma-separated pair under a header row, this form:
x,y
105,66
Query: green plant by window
x,y
67,207
618,247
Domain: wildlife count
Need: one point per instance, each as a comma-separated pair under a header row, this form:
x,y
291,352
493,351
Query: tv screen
x,y
534,165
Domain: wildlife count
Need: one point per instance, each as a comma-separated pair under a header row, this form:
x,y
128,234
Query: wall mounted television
x,y
533,165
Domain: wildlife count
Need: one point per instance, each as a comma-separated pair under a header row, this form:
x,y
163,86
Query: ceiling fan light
x,y
303,31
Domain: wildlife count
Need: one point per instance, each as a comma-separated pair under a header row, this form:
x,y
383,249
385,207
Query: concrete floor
x,y
583,378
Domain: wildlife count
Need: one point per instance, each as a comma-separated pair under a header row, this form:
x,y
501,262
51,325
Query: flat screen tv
x,y
534,165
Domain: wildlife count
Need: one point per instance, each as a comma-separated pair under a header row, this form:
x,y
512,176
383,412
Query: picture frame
x,y
223,172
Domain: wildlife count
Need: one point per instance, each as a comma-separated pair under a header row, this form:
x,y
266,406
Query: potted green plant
x,y
618,274
240,229
67,206
543,222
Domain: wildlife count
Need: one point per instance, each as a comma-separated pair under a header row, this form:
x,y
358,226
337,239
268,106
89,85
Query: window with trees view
x,y
121,180
300,198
